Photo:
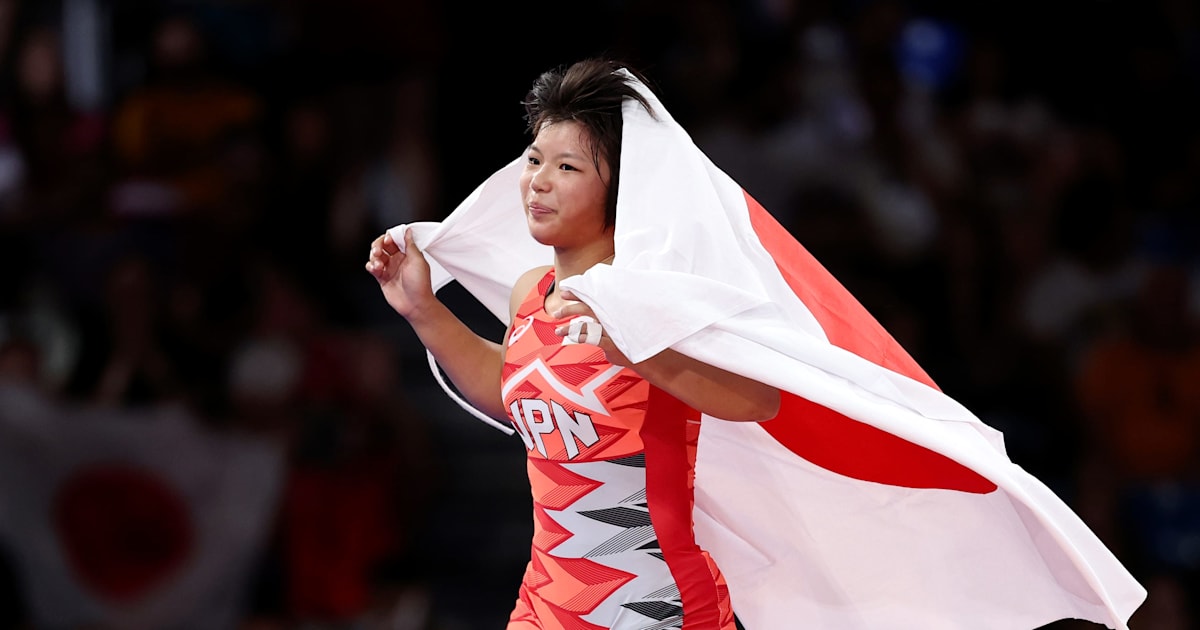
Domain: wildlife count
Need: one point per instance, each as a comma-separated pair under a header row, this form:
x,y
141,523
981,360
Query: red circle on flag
x,y
123,530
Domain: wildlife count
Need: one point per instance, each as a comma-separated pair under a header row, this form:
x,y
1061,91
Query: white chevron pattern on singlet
x,y
585,399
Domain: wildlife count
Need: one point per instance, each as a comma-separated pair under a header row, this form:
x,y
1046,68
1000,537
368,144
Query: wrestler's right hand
x,y
403,276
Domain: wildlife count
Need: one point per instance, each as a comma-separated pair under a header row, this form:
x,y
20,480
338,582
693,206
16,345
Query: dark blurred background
x,y
188,191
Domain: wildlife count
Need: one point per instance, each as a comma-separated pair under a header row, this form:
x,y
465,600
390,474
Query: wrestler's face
x,y
563,190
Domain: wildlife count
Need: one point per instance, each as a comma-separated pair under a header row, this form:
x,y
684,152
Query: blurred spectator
x,y
698,47
1070,265
203,311
1001,215
61,166
386,173
1136,390
170,132
1089,264
1152,111
245,168
358,480
358,486
399,185
123,361
296,215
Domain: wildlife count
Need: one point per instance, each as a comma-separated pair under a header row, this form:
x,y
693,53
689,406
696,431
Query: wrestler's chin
x,y
541,232
549,242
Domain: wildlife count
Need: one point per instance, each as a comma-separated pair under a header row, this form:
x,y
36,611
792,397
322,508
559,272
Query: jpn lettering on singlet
x,y
534,418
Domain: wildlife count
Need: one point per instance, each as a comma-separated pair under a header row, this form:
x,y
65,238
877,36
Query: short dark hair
x,y
589,92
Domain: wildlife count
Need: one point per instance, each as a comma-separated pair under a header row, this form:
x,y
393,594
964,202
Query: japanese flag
x,y
134,520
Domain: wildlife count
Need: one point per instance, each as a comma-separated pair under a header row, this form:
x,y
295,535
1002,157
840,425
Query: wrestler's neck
x,y
576,260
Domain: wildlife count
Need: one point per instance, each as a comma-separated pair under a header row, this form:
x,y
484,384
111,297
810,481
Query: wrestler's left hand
x,y
574,308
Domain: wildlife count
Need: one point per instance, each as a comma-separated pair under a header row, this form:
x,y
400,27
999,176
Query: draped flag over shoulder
x,y
874,500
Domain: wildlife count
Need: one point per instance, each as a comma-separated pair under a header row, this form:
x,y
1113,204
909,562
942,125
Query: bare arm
x,y
701,386
709,389
472,362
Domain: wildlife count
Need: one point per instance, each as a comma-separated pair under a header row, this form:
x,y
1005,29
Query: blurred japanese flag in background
x,y
131,519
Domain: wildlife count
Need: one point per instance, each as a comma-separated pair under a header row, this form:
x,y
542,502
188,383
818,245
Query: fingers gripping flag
x,y
873,500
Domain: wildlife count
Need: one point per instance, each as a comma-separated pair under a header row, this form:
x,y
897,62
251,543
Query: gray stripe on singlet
x,y
623,541
670,592
637,498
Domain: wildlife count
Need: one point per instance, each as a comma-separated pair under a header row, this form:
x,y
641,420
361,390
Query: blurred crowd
x,y
188,190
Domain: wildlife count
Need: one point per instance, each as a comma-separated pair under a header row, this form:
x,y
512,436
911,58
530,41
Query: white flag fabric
x,y
874,500
133,520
